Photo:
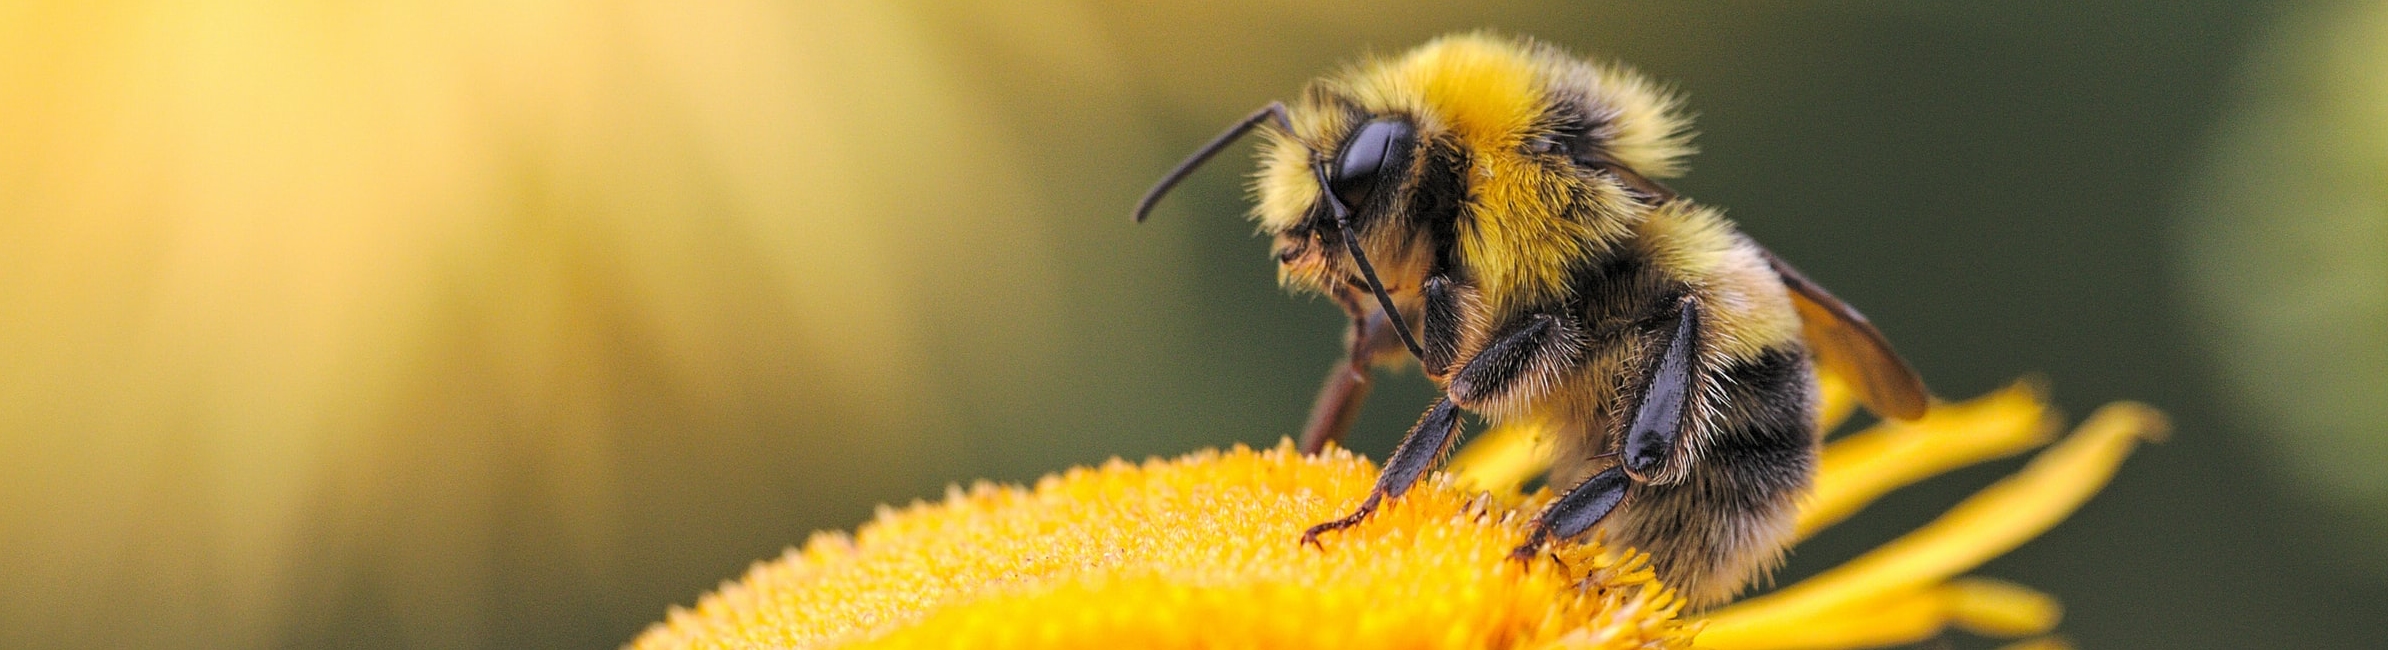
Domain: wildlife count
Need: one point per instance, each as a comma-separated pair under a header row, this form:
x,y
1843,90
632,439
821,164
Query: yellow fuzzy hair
x,y
1747,309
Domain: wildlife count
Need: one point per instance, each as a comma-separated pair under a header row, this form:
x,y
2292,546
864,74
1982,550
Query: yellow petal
x,y
1980,605
1990,523
2001,609
1880,622
1501,460
1861,467
1836,400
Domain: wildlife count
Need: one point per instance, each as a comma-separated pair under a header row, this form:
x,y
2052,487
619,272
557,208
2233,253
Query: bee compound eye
x,y
1376,149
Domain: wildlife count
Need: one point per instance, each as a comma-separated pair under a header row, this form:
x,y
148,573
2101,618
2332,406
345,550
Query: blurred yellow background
x,y
510,324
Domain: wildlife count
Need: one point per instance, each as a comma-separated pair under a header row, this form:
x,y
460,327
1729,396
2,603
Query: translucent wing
x,y
1847,345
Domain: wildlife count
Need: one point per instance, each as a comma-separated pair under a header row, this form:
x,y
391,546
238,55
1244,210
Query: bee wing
x,y
1847,345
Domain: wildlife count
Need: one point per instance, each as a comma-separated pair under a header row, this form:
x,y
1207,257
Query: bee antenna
x,y
1351,241
1186,168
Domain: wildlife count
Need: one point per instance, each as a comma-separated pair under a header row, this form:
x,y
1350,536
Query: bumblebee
x,y
1490,207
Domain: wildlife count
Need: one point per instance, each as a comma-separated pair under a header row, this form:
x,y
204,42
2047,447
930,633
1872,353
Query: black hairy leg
x,y
1418,452
1576,511
1499,366
1531,344
1371,339
1726,521
1438,329
1667,386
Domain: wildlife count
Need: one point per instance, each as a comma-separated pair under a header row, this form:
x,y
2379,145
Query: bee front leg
x,y
1438,327
1348,382
1417,452
1371,340
1531,345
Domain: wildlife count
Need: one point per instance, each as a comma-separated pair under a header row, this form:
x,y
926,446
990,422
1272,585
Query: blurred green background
x,y
510,324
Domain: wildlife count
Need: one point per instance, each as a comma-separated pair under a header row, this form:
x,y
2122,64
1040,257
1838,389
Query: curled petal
x,y
1988,524
2000,608
1979,605
1861,467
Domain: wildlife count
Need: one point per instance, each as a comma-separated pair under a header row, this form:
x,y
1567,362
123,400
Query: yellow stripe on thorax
x,y
1486,93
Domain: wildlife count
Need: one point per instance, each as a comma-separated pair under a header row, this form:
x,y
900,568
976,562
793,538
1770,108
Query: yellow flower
x,y
1201,552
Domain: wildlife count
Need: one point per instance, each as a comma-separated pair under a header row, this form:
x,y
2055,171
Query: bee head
x,y
1499,162
1496,160
1366,175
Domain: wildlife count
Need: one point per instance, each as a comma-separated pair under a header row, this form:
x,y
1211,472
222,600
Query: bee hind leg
x,y
1650,445
1582,507
1653,445
1418,452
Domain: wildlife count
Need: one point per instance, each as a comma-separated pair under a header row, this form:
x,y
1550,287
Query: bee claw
x,y
1310,537
1524,553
